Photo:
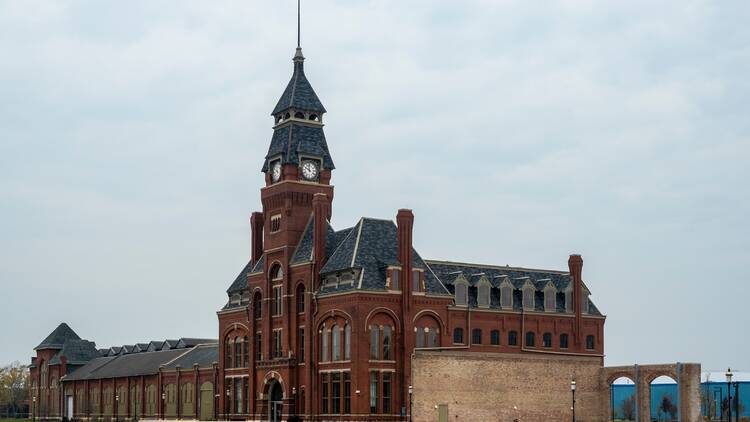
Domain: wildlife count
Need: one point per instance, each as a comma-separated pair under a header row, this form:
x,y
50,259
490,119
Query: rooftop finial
x,y
298,57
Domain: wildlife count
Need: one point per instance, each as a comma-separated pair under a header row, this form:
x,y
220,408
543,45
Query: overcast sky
x,y
132,136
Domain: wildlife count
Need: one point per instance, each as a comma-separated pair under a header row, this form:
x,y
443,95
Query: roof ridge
x,y
302,238
499,267
341,243
356,244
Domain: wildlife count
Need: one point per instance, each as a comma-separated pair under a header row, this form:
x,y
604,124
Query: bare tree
x,y
14,386
667,406
628,408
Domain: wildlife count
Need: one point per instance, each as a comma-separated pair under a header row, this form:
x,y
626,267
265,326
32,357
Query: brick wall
x,y
503,387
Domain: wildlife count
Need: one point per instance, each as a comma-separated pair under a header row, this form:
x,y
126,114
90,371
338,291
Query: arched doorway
x,y
275,402
623,400
664,398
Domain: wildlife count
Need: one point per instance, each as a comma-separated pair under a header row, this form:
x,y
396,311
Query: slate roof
x,y
449,272
133,364
76,352
240,282
204,355
294,139
57,338
304,250
299,94
371,245
191,342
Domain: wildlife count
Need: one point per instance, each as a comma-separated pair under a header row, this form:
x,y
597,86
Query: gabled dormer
x,y
461,290
484,288
528,295
506,293
550,297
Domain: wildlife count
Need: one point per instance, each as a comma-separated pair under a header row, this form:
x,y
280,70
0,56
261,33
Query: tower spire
x,y
298,57
298,19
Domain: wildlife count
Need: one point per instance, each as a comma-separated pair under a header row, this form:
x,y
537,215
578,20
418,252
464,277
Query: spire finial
x,y
298,19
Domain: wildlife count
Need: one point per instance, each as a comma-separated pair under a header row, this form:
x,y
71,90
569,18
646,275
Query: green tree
x,y
14,386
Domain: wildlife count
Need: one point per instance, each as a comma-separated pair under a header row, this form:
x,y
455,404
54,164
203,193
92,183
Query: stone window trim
x,y
393,280
484,292
275,225
461,291
528,296
550,297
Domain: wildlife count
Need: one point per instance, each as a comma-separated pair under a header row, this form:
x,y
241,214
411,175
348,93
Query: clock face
x,y
310,170
276,171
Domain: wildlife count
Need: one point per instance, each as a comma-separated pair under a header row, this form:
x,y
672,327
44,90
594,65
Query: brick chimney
x,y
320,216
405,222
575,266
256,236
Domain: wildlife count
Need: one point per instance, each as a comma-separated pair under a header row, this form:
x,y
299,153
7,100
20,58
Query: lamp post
x,y
33,408
411,391
573,391
729,375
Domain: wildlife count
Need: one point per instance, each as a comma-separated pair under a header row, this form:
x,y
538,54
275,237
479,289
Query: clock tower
x,y
296,167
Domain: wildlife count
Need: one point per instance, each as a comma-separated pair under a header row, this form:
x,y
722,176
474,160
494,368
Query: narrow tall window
x,y
476,336
301,344
237,352
512,338
301,299
336,334
416,281
550,300
506,297
373,392
547,340
387,392
228,353
238,395
387,343
461,294
245,347
277,352
563,341
324,345
528,298
530,339
458,335
432,337
275,223
395,281
347,342
277,300
336,392
324,393
483,295
347,393
590,342
257,306
258,345
374,342
420,337
495,337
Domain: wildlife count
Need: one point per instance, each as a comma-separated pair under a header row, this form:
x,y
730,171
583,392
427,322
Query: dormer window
x,y
461,287
585,301
416,281
313,117
483,293
506,294
394,281
550,297
528,296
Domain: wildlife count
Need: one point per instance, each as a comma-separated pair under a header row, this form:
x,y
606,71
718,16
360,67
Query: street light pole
x,y
729,393
573,390
411,391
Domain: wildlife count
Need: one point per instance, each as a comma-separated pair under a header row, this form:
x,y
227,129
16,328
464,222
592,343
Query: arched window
x,y
506,296
462,294
495,337
237,352
300,298
314,117
550,298
347,342
299,115
483,294
287,115
590,342
276,272
374,342
336,335
432,337
387,343
458,335
547,340
563,341
530,339
324,345
512,338
257,306
476,336
419,337
229,345
528,296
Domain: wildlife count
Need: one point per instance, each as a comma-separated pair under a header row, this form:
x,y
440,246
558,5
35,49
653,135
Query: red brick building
x,y
321,323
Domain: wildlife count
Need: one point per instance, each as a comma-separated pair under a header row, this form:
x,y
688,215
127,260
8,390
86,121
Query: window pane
x,y
324,345
547,340
373,392
432,337
495,337
387,343
336,392
258,344
530,339
415,281
374,342
301,344
347,342
324,393
395,282
347,393
512,338
476,336
386,392
420,337
563,341
458,335
336,333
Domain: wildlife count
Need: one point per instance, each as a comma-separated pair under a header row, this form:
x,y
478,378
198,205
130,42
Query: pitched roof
x,y
76,352
56,339
517,276
190,342
294,139
372,245
299,93
304,251
133,364
203,355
